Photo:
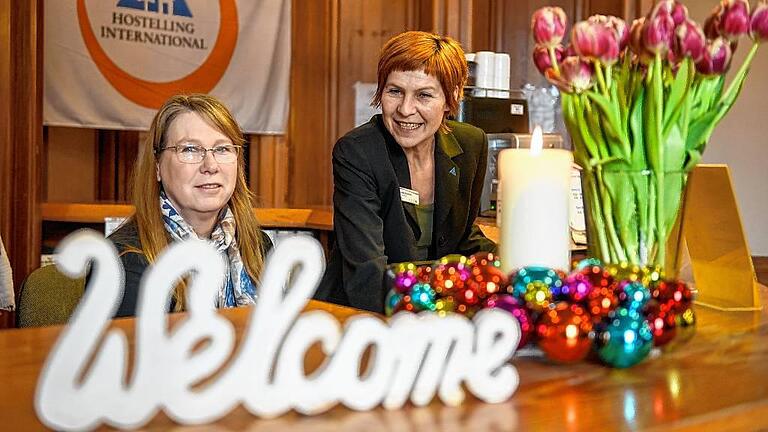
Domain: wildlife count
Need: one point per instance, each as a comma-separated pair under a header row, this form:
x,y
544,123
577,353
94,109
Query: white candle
x,y
535,188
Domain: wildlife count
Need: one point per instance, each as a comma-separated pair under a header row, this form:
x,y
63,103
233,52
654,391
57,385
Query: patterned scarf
x,y
237,288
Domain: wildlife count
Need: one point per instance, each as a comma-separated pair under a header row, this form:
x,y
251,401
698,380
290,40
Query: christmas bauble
x,y
564,332
624,338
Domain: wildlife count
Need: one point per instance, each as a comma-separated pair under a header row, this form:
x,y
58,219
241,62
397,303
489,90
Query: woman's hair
x,y
146,187
439,56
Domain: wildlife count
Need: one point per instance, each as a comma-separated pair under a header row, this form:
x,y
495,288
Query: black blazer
x,y
374,227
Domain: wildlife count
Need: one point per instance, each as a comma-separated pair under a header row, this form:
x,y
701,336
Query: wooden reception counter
x,y
314,219
717,381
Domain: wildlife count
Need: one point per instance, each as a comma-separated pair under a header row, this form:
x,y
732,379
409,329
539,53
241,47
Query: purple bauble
x,y
511,305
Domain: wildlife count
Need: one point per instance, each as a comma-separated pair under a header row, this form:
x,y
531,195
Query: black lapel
x,y
446,176
400,164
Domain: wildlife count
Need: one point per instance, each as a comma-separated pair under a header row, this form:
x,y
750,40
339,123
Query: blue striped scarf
x,y
237,288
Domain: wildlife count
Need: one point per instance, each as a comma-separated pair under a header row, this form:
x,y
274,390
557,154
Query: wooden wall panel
x,y
27,135
6,148
605,7
21,136
117,152
508,24
364,28
453,18
268,170
312,118
71,165
6,102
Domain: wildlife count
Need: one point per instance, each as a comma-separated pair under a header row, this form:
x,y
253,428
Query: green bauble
x,y
624,338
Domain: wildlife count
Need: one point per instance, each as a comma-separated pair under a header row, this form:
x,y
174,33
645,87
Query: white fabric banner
x,y
110,64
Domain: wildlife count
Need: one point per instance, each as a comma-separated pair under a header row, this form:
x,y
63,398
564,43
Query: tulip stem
x,y
553,60
601,78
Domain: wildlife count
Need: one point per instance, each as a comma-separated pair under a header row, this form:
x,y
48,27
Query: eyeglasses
x,y
195,153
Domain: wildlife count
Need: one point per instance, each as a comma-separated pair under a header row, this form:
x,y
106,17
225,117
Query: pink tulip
x,y
690,41
596,42
618,25
622,30
658,31
758,26
712,23
679,13
734,22
664,7
636,41
548,26
673,8
576,75
543,61
716,58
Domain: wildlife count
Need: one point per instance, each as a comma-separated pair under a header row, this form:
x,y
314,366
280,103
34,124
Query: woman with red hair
x,y
407,184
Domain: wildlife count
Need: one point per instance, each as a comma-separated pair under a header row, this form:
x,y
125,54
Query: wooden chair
x,y
47,297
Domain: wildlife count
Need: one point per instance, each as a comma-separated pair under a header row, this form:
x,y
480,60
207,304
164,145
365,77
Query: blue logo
x,y
172,7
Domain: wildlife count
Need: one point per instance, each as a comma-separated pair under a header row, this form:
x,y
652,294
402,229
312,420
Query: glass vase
x,y
631,214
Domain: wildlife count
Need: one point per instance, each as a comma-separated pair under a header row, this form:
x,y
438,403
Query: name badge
x,y
409,195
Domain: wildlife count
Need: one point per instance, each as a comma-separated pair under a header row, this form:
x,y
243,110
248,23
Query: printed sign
x,y
112,63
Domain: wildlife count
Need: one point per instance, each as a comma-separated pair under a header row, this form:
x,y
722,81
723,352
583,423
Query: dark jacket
x,y
126,239
374,227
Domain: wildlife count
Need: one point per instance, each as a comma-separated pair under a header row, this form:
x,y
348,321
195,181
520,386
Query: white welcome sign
x,y
415,356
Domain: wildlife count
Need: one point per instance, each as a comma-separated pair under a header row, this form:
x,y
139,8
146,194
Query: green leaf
x,y
675,150
583,130
612,124
637,159
594,123
677,95
619,186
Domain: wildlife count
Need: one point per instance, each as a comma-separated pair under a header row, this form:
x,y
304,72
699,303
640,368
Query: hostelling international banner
x,y
111,64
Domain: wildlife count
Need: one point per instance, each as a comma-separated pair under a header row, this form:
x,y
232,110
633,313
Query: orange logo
x,y
152,94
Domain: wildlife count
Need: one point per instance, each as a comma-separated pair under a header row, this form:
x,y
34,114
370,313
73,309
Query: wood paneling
x,y
364,28
268,170
117,151
71,165
452,18
312,119
6,103
607,7
21,105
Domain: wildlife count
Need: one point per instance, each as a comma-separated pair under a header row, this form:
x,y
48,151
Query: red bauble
x,y
449,275
486,279
674,295
602,298
662,322
483,259
564,332
601,301
599,277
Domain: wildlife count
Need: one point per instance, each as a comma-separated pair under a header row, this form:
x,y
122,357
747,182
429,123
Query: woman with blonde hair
x,y
407,184
189,182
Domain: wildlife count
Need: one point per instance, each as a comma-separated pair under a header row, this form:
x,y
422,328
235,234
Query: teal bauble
x,y
624,338
423,297
535,286
392,301
587,262
633,295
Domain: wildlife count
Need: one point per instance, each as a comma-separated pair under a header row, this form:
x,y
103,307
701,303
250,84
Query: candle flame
x,y
537,141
